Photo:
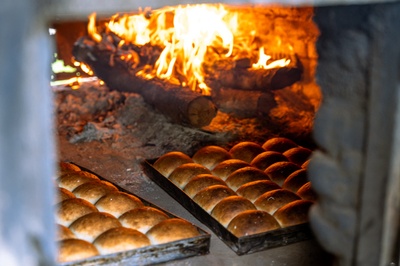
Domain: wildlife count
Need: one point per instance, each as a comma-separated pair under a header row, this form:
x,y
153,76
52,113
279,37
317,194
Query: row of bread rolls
x,y
227,184
94,218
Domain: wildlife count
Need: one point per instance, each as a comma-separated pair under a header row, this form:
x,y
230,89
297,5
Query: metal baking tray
x,y
240,245
153,254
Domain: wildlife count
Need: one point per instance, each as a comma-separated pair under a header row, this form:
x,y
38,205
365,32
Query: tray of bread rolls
x,y
101,223
252,196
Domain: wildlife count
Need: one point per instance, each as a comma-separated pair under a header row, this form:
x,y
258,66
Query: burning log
x,y
180,104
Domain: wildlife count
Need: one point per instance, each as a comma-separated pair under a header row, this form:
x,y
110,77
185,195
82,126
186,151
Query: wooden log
x,y
178,103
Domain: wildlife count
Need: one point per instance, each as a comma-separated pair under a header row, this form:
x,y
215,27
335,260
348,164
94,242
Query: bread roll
x,y
142,219
169,161
306,192
298,155
245,175
229,207
210,196
63,194
183,173
75,249
65,167
91,225
252,222
120,239
93,191
293,213
279,144
71,181
305,164
200,182
171,230
255,189
225,168
69,210
210,156
246,151
279,171
272,200
295,180
63,232
117,203
267,158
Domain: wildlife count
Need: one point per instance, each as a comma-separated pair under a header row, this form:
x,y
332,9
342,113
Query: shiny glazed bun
x,y
245,175
225,168
210,196
169,161
267,158
279,171
94,190
306,192
246,151
142,219
171,230
293,213
183,173
69,210
295,180
273,200
199,182
71,181
255,189
63,194
91,225
298,155
229,207
210,156
117,203
279,144
75,249
65,167
252,222
120,239
63,232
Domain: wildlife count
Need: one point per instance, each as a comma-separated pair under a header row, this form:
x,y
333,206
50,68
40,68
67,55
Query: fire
x,y
191,37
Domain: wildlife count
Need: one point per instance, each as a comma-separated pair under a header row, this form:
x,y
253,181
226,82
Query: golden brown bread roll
x,y
225,168
120,239
63,232
255,189
305,164
66,167
71,181
267,158
279,144
272,200
199,182
229,207
69,210
183,173
63,194
246,151
295,180
74,250
171,230
91,225
245,175
210,156
142,219
306,192
252,222
293,213
298,155
117,203
279,171
167,163
210,196
94,190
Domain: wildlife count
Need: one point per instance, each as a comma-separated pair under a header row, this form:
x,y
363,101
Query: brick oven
x,y
350,58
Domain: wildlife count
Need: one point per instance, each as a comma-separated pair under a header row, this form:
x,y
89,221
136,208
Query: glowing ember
x,y
190,36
